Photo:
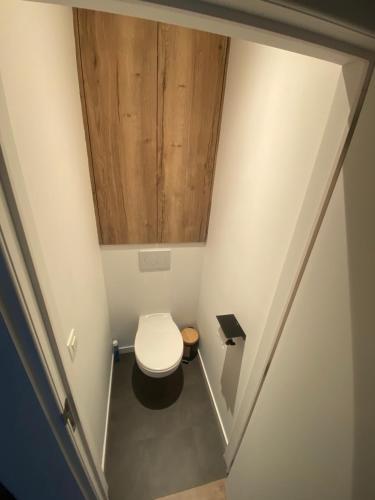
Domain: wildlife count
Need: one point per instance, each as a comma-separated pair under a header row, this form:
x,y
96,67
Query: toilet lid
x,y
158,342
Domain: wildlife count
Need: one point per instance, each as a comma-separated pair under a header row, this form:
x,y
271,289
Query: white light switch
x,y
72,344
157,259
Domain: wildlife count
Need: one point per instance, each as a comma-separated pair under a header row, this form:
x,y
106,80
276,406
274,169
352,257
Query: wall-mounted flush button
x,y
157,259
72,344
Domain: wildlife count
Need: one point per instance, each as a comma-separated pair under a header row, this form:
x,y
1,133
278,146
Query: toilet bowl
x,y
158,345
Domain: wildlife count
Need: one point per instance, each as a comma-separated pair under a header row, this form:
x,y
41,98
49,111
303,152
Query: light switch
x,y
157,259
72,344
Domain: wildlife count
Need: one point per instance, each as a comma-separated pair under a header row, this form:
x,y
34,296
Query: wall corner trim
x,y
216,408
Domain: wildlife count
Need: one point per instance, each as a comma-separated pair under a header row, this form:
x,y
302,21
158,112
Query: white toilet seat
x,y
158,345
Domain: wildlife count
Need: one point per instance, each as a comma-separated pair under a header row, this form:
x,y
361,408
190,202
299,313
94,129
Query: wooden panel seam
x,y
159,139
158,171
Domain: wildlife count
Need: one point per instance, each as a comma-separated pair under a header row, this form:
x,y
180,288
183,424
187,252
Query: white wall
x,y
276,107
42,137
312,434
131,292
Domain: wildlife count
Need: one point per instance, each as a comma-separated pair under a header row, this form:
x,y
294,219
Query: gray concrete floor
x,y
163,434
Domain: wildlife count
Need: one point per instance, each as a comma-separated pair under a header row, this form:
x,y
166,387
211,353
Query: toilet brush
x,y
116,352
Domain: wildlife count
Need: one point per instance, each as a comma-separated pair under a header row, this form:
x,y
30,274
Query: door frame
x,y
15,315
268,24
14,247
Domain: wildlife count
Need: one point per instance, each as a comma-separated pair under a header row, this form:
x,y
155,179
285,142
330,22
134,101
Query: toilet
x,y
158,345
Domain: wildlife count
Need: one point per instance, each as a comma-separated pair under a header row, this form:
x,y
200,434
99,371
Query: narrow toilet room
x,y
167,176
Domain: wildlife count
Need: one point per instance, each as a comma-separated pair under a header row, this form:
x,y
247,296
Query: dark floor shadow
x,y
359,189
157,393
230,375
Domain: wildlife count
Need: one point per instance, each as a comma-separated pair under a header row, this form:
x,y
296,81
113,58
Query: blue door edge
x,y
14,317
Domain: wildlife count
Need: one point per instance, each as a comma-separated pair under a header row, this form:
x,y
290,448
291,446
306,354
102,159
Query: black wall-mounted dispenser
x,y
231,328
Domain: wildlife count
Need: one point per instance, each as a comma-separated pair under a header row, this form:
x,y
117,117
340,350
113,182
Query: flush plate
x,y
157,259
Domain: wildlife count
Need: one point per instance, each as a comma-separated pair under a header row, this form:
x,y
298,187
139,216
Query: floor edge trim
x,y
104,452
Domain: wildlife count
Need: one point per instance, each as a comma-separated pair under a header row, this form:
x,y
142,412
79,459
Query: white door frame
x,y
15,248
264,23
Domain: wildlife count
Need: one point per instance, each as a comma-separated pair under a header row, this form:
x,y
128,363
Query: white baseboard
x,y
123,350
107,416
126,348
221,425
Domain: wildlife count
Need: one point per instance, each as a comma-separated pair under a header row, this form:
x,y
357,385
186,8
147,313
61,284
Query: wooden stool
x,y
190,337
